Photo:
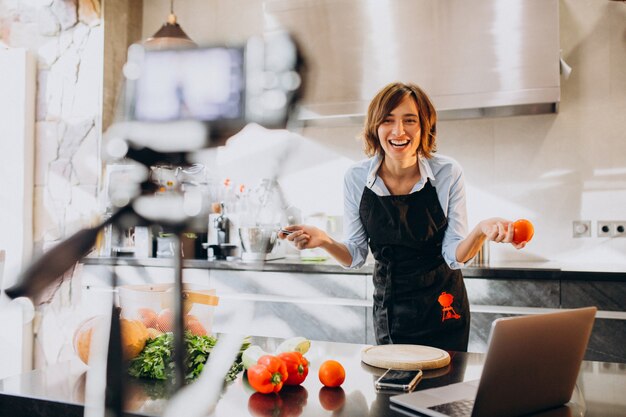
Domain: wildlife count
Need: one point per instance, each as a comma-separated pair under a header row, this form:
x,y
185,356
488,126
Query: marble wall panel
x,y
607,342
280,319
602,294
290,284
517,293
480,327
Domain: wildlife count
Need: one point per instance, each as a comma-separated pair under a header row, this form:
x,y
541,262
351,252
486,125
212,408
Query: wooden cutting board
x,y
405,357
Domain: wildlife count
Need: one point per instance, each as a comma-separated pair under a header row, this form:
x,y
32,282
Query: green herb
x,y
155,360
198,350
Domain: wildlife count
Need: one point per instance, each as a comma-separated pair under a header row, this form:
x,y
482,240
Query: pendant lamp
x,y
171,35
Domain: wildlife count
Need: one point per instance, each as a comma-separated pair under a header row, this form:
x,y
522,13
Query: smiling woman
x,y
408,205
406,108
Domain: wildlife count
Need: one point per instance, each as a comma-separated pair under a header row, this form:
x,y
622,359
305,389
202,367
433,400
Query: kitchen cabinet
x,y
331,307
319,306
491,299
608,338
322,301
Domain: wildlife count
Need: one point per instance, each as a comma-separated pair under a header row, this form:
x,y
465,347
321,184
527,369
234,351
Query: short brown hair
x,y
388,99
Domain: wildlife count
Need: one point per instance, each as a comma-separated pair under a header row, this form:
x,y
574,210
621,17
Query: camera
x,y
182,100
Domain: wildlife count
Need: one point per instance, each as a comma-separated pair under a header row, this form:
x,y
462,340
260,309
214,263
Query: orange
x,y
134,336
194,326
332,374
523,231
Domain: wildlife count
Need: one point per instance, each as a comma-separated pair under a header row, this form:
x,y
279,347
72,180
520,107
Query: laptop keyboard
x,y
462,408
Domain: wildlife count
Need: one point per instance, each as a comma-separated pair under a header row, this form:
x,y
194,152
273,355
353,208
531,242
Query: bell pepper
x,y
297,367
268,375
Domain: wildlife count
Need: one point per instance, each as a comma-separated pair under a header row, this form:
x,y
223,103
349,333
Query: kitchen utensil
x,y
257,241
405,357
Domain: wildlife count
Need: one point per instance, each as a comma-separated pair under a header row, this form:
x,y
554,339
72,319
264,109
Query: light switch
x,y
581,228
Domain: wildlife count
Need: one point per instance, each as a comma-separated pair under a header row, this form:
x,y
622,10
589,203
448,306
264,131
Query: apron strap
x,y
387,262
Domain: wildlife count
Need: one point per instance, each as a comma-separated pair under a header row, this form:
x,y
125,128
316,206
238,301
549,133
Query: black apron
x,y
418,299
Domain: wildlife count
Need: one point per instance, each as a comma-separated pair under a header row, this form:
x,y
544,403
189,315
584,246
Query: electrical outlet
x,y
581,228
615,228
605,228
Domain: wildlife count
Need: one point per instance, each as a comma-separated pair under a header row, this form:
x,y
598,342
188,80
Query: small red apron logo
x,y
447,311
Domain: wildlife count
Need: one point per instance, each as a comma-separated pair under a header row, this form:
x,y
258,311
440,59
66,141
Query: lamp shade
x,y
171,35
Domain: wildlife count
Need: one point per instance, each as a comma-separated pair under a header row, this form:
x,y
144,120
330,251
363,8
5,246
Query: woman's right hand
x,y
304,236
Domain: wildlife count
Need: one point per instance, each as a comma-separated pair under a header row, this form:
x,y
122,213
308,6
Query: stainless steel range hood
x,y
475,58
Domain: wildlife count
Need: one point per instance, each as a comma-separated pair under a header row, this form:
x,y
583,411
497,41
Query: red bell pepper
x,y
268,375
297,367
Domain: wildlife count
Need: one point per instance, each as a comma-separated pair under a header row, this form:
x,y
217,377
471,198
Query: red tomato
x,y
332,374
332,399
523,231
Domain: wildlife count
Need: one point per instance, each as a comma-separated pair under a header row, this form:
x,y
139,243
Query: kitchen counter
x,y
503,270
59,389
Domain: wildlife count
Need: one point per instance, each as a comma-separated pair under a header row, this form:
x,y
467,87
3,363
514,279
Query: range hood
x,y
478,58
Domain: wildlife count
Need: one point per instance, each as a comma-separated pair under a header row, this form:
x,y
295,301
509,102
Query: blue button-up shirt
x,y
445,175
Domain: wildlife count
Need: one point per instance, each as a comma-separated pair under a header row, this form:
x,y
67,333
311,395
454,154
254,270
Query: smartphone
x,y
398,380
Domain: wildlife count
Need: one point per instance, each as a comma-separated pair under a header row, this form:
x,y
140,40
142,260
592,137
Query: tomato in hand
x,y
332,374
523,231
297,367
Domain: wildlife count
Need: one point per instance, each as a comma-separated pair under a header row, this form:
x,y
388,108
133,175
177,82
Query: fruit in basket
x,y
134,335
165,320
194,326
148,317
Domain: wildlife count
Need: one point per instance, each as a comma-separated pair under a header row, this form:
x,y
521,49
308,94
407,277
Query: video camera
x,y
182,100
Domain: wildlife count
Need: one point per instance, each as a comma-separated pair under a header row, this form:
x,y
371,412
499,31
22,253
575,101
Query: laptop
x,y
531,365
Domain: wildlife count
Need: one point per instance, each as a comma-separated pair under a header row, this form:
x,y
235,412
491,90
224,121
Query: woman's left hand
x,y
499,230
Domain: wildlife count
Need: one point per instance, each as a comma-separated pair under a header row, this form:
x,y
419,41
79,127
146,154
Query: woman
x,y
409,204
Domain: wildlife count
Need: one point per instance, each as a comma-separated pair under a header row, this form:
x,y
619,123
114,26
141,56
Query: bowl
x,y
152,305
258,239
